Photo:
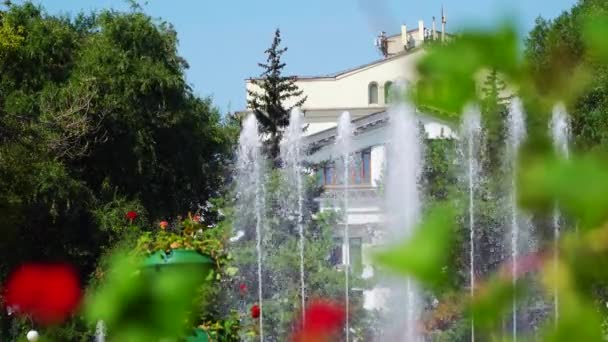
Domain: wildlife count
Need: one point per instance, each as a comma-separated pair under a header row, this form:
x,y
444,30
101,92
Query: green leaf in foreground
x,y
579,319
424,255
448,73
144,304
578,185
595,32
492,301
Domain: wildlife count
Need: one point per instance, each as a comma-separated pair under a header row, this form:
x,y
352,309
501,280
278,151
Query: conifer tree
x,y
275,97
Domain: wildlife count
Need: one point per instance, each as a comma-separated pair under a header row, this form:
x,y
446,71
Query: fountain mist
x,y
560,132
250,194
403,207
343,144
516,134
291,154
471,137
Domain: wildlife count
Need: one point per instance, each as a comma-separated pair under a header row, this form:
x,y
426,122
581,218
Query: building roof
x,y
366,65
362,125
343,72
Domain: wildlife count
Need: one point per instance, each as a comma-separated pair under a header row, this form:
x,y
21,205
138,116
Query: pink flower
x,y
47,293
163,225
523,264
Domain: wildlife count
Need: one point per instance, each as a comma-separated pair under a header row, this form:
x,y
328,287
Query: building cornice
x,y
360,126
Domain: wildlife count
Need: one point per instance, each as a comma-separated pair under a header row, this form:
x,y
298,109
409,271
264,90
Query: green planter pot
x,y
199,335
178,259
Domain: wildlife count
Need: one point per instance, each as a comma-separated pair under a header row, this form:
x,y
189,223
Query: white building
x,y
365,92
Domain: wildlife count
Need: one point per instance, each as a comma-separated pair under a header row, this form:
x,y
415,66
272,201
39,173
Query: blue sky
x,y
223,40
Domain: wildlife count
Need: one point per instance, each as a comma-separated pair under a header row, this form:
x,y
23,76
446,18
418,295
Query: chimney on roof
x,y
434,29
404,36
421,30
443,22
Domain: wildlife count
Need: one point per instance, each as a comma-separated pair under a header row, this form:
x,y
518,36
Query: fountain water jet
x,y
471,133
250,194
100,331
560,132
343,144
403,204
291,154
516,134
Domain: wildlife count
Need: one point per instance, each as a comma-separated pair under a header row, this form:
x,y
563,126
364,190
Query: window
x,y
388,92
355,253
335,256
366,167
359,170
373,93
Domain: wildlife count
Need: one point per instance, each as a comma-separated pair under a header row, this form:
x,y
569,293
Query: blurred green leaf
x,y
448,73
595,31
492,301
423,255
144,304
579,185
579,320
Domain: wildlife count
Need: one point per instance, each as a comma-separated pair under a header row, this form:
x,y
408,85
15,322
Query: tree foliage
x,y
96,119
556,51
275,97
564,62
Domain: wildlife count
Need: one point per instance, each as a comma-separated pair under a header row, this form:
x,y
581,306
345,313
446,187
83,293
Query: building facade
x,y
366,93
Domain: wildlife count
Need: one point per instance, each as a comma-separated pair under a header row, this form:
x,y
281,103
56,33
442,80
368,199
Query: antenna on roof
x,y
382,43
443,22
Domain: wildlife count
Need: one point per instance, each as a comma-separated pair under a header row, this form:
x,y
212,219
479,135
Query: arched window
x,y
388,92
373,93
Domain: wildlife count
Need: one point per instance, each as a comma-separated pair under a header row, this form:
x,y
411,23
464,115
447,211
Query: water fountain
x,y
516,134
560,132
343,145
471,134
100,332
291,154
250,194
403,209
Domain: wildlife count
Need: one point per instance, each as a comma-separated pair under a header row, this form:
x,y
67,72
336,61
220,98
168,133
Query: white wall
x,y
377,163
350,90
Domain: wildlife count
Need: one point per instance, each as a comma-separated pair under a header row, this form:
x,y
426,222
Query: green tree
x,y
96,119
555,50
276,95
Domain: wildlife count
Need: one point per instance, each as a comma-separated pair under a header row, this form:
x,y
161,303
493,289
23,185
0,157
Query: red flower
x,y
323,320
131,215
163,225
47,293
243,289
255,311
196,218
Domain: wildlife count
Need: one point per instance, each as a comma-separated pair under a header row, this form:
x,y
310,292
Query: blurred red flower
x,y
196,218
131,215
163,225
47,293
243,289
524,264
255,311
323,320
